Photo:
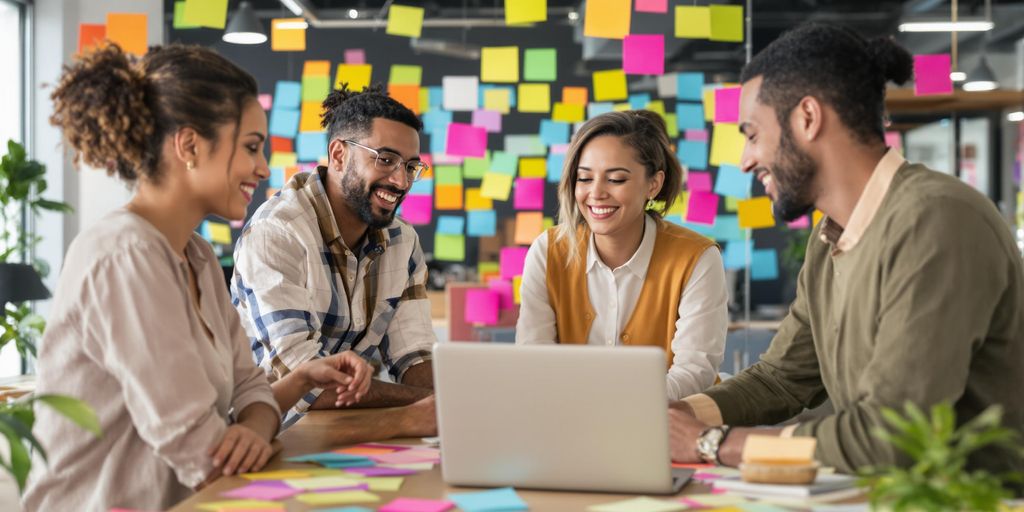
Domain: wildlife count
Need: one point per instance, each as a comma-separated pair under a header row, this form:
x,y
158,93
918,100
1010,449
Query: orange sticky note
x,y
529,225
357,76
499,64
405,20
574,95
756,213
534,98
129,31
532,167
610,85
408,95
568,112
310,116
316,68
91,36
607,18
476,201
290,171
448,197
288,35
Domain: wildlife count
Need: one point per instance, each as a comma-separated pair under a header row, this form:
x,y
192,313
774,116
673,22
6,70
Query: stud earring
x,y
190,165
650,204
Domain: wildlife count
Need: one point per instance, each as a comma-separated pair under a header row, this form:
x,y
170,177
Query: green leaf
x,y
23,431
20,462
53,206
74,409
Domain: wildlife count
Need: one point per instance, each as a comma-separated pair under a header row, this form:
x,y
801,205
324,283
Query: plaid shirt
x,y
301,293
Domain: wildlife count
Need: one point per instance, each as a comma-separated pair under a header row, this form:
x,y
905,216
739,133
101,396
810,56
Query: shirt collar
x,y
375,241
846,238
637,265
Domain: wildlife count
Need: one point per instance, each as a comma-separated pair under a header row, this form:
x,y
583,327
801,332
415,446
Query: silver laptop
x,y
554,417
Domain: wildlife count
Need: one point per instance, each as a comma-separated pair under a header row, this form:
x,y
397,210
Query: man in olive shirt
x,y
911,289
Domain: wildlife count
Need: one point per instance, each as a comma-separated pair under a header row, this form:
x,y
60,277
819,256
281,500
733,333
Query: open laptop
x,y
554,417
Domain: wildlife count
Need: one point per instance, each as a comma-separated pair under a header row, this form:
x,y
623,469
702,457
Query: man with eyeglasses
x,y
324,266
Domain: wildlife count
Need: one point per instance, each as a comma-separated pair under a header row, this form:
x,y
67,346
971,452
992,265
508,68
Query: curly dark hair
x,y
350,114
116,109
837,66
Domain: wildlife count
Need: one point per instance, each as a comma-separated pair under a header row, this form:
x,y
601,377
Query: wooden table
x,y
326,430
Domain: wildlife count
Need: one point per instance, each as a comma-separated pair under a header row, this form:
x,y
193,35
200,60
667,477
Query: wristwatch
x,y
709,442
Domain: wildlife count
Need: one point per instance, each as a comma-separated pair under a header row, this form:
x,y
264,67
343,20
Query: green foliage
x,y
22,183
938,480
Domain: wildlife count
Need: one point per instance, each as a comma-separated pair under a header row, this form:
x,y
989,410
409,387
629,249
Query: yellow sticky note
x,y
206,13
337,498
424,99
732,203
219,506
816,217
496,186
220,233
727,23
529,225
779,449
309,116
622,107
532,167
756,213
499,64
288,35
280,474
405,20
726,144
499,100
383,483
322,482
476,201
357,76
448,197
517,283
534,98
574,95
610,85
129,31
316,68
658,107
607,18
568,112
709,103
693,22
280,160
406,75
548,223
679,206
525,11
672,125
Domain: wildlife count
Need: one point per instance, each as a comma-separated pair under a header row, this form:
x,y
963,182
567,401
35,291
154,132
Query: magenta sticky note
x,y
801,223
931,74
489,120
236,224
894,140
482,307
696,135
651,6
698,181
559,149
727,105
262,492
417,505
643,54
511,260
702,208
466,140
416,209
505,295
379,471
529,194
266,101
355,56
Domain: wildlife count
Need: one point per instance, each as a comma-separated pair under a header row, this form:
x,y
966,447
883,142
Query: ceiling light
x,y
981,77
245,28
958,76
573,15
352,13
293,25
1015,117
295,8
947,26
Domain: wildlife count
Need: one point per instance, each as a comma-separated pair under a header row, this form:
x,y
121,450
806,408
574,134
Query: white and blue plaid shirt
x,y
301,293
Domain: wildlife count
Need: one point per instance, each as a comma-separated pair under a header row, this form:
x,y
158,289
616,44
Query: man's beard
x,y
359,197
793,172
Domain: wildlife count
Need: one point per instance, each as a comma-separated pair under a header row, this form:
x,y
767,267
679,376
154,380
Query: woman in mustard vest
x,y
613,272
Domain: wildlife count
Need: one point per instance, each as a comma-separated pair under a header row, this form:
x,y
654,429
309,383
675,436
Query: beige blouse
x,y
124,336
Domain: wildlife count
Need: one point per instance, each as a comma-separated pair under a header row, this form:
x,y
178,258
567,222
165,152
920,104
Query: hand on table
x,y
683,430
348,373
240,451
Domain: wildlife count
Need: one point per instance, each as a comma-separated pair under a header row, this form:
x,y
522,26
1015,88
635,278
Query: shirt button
x,y
625,337
348,253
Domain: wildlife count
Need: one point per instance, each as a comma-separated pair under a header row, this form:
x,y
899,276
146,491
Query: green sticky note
x,y
447,175
727,23
405,75
315,88
487,267
731,203
540,65
405,20
672,125
449,247
206,13
475,168
179,17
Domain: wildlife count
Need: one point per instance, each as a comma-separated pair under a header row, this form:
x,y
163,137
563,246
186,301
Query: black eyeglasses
x,y
388,162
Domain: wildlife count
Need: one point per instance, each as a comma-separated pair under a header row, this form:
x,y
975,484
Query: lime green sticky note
x,y
657,106
534,98
525,11
732,203
315,88
424,100
406,75
405,20
475,168
447,175
487,267
337,498
449,247
727,23
672,125
217,506
179,17
206,13
541,65
499,64
693,22
385,483
548,223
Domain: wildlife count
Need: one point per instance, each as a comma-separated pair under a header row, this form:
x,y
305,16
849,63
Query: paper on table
x,y
693,22
415,466
540,64
449,247
286,35
713,500
496,186
529,225
357,76
726,23
499,64
640,504
405,20
504,499
128,30
383,483
262,492
607,18
610,85
225,505
756,213
727,144
727,105
406,456
337,498
280,474
643,54
417,505
379,471
365,450
931,74
512,261
322,482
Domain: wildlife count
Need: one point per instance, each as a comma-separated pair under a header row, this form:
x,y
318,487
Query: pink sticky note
x,y
727,105
698,181
894,140
466,140
511,260
482,307
643,54
702,208
529,194
355,56
505,295
379,471
651,5
262,492
236,224
696,135
395,447
266,101
559,149
416,209
489,120
417,505
801,223
931,74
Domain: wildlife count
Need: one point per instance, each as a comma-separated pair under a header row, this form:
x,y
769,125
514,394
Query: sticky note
x,y
475,168
529,194
534,98
466,140
568,112
451,224
525,145
532,167
525,11
205,13
698,135
476,201
436,120
504,499
216,232
496,186
280,474
497,100
281,145
727,105
222,506
448,175
732,204
416,209
460,93
689,116
417,504
596,109
639,101
698,181
756,213
702,208
482,306
128,30
512,260
610,85
284,122
540,64
489,120
337,498
282,160
733,182
316,68
690,86
779,449
499,64
408,95
607,18
529,225
287,94
734,257
315,88
405,20
448,197
726,144
554,165
481,222
727,227
931,74
726,23
449,247
504,162
641,504
425,186
355,56
554,132
405,75
288,35
357,76
310,146
643,54
262,492
574,95
179,22
90,36
693,22
764,265
693,154
311,120
276,179
803,222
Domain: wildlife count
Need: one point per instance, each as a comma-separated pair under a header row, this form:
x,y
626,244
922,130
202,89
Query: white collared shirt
x,y
699,341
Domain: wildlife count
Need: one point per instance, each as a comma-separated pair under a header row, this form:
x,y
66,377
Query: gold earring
x,y
190,165
650,204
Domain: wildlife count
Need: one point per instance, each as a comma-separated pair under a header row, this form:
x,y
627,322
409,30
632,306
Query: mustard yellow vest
x,y
653,322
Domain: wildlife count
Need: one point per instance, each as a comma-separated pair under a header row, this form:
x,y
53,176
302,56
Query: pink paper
x,y
512,260
381,471
702,208
355,56
643,54
357,487
262,492
529,194
696,135
406,457
894,140
482,307
266,101
700,475
801,223
727,105
417,505
489,120
505,295
236,224
466,140
416,209
651,5
559,149
396,447
931,74
698,181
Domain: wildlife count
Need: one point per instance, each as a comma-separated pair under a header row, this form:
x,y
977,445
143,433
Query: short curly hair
x,y
348,113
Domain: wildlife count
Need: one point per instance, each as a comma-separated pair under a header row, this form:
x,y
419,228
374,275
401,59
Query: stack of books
x,y
826,488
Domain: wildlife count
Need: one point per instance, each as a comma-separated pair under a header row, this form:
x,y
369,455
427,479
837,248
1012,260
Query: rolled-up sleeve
x,y
410,334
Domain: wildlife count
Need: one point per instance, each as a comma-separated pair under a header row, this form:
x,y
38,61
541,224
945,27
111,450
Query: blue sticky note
x,y
690,86
284,122
349,464
287,94
639,101
554,132
451,224
764,265
702,229
310,146
734,257
693,154
596,109
675,219
727,227
424,187
276,179
554,165
481,223
496,500
504,163
436,120
690,116
329,457
511,94
733,182
435,96
439,141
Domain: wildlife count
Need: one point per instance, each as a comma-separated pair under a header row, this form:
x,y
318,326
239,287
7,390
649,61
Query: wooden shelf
x,y
903,101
